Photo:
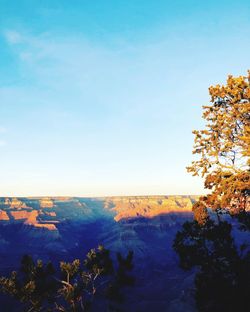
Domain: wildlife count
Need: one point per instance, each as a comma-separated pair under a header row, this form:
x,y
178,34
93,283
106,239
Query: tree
x,y
223,146
33,286
40,287
222,276
222,280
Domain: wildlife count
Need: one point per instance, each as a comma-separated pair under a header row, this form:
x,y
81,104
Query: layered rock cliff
x,y
148,206
37,211
66,228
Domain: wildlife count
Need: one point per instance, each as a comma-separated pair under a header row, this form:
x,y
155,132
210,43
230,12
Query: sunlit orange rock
x,y
149,206
4,216
46,203
15,203
48,226
24,214
32,217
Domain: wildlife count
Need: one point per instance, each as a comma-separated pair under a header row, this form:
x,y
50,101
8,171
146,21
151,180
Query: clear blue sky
x,y
100,97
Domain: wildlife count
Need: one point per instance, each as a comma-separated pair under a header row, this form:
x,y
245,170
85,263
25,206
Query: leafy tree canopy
x,y
222,276
223,147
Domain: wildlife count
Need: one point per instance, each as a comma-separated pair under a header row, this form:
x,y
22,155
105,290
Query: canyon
x,y
56,228
36,211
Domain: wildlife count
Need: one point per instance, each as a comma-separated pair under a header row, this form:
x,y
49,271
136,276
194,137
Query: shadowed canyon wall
x,y
66,228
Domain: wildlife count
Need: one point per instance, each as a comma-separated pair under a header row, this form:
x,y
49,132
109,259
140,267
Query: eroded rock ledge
x,y
47,212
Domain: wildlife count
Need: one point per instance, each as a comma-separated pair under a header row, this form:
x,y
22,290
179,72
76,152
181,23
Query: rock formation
x,y
14,203
149,206
66,228
4,216
46,203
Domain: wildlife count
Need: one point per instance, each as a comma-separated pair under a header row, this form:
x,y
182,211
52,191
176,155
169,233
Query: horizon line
x,y
105,196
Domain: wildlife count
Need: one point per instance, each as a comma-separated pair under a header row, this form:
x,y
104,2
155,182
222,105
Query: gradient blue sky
x,y
100,97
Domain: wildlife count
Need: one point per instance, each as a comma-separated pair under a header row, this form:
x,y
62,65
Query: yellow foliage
x,y
223,146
